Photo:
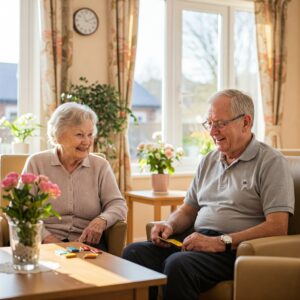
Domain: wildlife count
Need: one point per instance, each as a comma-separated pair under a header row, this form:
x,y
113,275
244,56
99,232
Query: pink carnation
x,y
41,178
13,175
169,152
9,182
28,178
50,188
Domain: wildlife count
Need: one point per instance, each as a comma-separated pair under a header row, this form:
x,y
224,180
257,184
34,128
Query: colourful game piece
x,y
61,252
72,249
85,248
90,255
172,242
70,255
96,251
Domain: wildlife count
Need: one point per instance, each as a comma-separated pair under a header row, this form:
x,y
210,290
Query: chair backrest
x,y
294,221
290,152
11,163
8,163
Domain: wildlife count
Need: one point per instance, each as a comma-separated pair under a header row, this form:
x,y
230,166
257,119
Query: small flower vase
x,y
25,242
160,183
20,148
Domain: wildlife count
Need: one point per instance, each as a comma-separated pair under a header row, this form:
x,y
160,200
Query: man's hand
x,y
199,242
93,232
51,239
161,229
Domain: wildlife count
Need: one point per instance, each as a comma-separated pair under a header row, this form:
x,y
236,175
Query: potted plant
x,y
21,129
104,100
26,209
159,157
199,142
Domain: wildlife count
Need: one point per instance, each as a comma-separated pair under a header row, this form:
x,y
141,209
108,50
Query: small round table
x,y
171,198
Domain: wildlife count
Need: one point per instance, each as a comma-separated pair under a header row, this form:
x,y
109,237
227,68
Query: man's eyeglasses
x,y
208,125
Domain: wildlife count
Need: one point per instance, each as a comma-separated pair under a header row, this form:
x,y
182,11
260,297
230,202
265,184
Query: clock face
x,y
85,21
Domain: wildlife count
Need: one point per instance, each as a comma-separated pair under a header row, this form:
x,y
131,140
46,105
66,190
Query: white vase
x,y
20,148
160,183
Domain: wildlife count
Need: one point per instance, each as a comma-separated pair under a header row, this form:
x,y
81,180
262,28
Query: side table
x,y
171,198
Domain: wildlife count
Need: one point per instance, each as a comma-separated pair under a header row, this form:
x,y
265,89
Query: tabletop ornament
x,y
28,206
159,157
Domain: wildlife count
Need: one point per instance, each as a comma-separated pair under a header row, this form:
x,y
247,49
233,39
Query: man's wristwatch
x,y
227,240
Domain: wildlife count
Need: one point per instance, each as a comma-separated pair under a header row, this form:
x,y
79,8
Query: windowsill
x,y
176,174
186,168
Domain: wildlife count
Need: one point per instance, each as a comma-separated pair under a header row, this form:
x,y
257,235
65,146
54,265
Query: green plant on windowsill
x,y
22,127
104,100
201,140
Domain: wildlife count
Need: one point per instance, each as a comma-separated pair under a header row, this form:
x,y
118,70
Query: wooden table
x,y
171,198
107,277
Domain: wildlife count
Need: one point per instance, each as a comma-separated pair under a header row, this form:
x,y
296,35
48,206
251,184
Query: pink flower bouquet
x,y
159,156
27,195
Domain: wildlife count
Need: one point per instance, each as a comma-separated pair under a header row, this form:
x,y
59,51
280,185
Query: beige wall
x,y
90,52
90,60
291,120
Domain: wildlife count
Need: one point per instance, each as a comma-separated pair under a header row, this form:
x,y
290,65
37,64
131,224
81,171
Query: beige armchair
x,y
115,236
266,268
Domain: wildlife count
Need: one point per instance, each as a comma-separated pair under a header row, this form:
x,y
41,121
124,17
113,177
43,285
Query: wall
x,y
90,60
90,52
291,120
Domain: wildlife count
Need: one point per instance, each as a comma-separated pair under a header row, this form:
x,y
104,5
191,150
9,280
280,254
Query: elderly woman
x,y
90,201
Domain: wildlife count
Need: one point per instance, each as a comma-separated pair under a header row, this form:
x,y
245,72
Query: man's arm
x,y
276,224
180,220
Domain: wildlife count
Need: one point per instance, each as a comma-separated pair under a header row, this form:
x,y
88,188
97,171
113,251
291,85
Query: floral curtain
x,y
270,16
123,26
56,51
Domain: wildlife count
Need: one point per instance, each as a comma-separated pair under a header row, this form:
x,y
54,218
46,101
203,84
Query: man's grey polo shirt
x,y
236,197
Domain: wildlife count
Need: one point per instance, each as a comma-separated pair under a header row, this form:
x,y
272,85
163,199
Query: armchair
x,y
115,236
266,268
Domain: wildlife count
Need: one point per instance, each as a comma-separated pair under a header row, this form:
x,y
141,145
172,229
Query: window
x,y
207,46
19,64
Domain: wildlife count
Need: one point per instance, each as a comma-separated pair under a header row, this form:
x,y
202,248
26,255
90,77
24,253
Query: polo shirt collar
x,y
249,153
56,162
251,150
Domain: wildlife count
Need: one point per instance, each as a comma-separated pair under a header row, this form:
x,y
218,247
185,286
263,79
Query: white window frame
x,y
29,63
171,128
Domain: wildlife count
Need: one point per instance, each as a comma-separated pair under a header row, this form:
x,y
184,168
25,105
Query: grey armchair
x,y
266,268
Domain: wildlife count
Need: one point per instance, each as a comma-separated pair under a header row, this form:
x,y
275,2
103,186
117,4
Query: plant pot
x,y
160,183
25,242
20,148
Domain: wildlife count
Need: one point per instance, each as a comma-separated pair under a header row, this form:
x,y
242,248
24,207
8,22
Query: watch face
x,y
226,239
85,21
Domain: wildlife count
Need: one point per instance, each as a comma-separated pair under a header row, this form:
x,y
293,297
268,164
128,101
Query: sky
x,y
9,31
150,59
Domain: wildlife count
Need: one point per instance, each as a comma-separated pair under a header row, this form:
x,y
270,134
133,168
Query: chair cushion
x,y
222,291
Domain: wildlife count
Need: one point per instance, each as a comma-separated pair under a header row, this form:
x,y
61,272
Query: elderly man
x,y
243,190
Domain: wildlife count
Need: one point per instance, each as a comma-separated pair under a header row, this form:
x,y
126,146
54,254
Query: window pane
x,y
245,58
147,90
9,59
199,78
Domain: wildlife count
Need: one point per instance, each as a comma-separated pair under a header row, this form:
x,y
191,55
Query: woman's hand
x,y
51,239
93,232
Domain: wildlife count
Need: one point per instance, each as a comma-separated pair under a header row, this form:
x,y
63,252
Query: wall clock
x,y
85,21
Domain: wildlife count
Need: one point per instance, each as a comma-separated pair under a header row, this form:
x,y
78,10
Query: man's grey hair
x,y
67,115
241,103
